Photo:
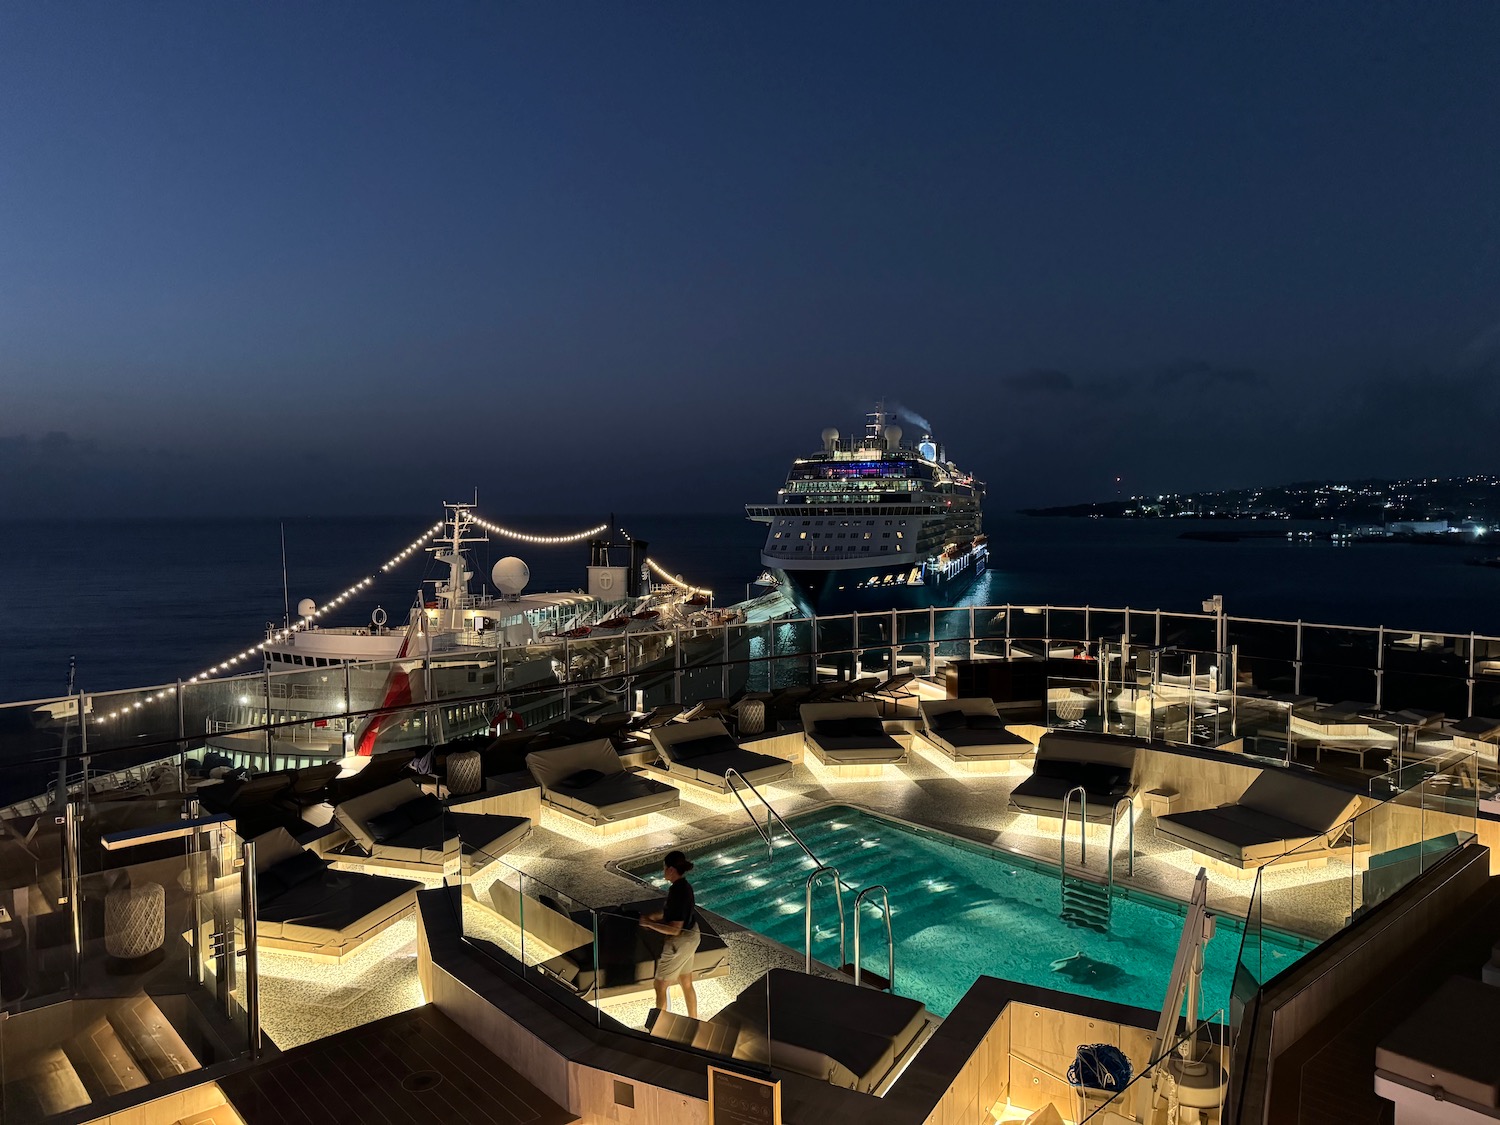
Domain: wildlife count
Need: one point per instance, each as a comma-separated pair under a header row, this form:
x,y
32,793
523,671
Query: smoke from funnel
x,y
911,416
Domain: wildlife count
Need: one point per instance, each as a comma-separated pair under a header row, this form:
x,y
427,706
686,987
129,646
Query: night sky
x,y
282,259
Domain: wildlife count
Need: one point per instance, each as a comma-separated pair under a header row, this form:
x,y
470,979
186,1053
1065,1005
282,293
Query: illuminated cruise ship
x,y
874,523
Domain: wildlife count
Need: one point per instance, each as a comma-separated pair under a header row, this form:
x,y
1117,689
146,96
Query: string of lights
x,y
282,634
674,581
539,540
229,664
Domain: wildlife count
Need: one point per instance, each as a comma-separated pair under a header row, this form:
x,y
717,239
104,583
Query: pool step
x,y
1086,904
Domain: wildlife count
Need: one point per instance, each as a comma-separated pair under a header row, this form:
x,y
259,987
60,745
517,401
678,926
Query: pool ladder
x,y
820,871
1085,901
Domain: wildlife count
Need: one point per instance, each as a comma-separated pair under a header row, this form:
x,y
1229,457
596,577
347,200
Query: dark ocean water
x,y
145,602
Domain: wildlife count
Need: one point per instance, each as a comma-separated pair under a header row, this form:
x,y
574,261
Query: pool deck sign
x,y
738,1099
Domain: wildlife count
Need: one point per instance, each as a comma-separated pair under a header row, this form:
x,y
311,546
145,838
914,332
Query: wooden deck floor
x,y
418,1066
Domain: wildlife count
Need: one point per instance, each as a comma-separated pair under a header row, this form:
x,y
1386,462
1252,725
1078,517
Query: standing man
x,y
678,922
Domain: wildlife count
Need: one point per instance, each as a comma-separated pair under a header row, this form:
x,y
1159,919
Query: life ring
x,y
506,719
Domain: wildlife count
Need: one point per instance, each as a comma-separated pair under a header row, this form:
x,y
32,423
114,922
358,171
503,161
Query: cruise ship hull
x,y
824,593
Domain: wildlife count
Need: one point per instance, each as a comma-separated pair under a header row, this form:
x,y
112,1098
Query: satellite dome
x,y
830,438
893,437
510,576
306,607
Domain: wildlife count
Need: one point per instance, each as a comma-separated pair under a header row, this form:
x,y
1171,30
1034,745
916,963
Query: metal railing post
x,y
252,952
838,894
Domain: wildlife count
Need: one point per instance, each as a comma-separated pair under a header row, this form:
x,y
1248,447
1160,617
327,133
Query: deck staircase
x,y
123,1046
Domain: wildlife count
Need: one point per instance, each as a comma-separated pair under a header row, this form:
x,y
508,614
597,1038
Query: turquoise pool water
x,y
958,911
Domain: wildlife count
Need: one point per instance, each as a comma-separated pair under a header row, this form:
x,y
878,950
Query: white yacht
x,y
874,522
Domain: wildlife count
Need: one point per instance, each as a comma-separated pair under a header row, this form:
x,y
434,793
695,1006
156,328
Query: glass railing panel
x,y
1067,628
33,736
132,718
989,626
219,706
597,670
152,987
1143,628
1341,645
951,629
1338,683
1077,704
1408,690
605,957
915,626
1189,631
651,655
836,635
1263,640
1249,968
1107,625
455,677
1267,674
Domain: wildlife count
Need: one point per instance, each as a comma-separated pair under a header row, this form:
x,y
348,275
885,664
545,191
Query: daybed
x,y
970,730
704,752
627,952
306,906
378,772
1282,811
825,1028
402,827
588,781
848,734
1103,766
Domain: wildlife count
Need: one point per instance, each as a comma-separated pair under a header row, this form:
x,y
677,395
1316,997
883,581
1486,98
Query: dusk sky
x,y
283,259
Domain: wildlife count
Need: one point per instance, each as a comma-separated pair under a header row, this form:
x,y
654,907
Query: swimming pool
x,y
958,911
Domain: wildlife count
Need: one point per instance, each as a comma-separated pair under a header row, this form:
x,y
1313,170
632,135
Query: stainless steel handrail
x,y
1114,819
838,894
771,814
890,940
1083,824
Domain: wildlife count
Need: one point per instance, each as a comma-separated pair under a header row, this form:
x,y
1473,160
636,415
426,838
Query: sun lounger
x,y
378,772
402,827
1102,766
970,730
895,688
825,1028
704,752
1437,1065
1282,811
589,782
306,906
848,734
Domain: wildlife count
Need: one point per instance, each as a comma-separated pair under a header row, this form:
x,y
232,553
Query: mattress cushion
x,y
1448,1042
338,905
753,767
1235,833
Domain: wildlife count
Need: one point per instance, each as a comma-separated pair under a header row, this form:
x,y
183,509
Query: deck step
x,y
53,1083
152,1040
103,1062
